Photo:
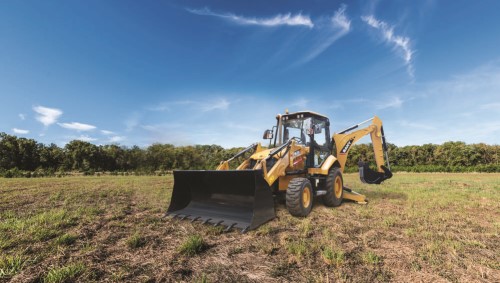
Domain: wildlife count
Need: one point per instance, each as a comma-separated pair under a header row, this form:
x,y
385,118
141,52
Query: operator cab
x,y
306,128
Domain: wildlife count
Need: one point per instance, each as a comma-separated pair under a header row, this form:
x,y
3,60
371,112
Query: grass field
x,y
416,227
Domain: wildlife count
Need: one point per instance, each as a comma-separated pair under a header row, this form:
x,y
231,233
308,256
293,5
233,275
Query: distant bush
x,y
14,173
21,157
490,168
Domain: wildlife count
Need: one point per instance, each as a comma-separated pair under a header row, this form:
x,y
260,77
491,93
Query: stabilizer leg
x,y
354,196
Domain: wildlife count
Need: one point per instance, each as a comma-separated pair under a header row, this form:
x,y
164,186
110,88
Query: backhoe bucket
x,y
232,198
368,176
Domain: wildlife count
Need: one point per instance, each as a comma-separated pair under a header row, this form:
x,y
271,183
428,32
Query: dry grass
x,y
417,227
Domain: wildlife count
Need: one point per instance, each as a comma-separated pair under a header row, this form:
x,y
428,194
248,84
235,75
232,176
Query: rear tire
x,y
299,197
334,188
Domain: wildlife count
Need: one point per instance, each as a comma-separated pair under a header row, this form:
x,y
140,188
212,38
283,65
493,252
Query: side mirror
x,y
268,135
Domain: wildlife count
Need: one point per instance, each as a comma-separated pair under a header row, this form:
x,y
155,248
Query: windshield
x,y
297,128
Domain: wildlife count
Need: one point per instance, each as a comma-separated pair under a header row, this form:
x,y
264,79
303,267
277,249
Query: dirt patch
x,y
120,234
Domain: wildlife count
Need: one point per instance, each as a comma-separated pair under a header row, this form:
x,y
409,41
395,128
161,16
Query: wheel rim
x,y
338,187
306,197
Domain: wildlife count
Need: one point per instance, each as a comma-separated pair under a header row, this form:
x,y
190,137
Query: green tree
x,y
51,157
82,155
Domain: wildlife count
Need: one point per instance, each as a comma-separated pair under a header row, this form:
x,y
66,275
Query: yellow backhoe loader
x,y
299,163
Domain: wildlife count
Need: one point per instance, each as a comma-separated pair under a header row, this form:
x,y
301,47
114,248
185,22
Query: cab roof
x,y
305,114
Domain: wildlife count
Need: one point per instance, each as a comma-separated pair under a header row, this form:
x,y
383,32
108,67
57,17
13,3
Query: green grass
x,y
428,227
10,265
136,241
193,245
371,258
68,273
333,256
66,240
297,247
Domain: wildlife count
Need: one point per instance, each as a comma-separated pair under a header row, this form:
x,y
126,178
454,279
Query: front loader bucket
x,y
232,198
369,176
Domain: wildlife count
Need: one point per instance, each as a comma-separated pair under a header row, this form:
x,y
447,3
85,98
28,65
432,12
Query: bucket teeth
x,y
233,198
369,176
229,227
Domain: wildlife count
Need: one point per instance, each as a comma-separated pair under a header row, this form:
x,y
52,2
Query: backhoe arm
x,y
345,139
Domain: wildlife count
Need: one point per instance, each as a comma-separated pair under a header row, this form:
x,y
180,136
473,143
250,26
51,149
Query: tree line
x,y
447,157
27,157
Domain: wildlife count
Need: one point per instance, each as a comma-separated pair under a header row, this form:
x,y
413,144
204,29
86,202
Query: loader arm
x,y
281,159
345,139
224,165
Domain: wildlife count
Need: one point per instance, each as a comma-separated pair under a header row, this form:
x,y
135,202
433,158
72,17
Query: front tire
x,y
299,197
334,188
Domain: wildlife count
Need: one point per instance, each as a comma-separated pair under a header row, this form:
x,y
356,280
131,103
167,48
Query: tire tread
x,y
330,199
293,197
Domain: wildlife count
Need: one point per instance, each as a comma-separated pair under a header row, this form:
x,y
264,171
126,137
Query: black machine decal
x,y
347,146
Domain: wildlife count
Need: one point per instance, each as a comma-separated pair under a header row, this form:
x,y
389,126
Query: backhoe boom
x,y
346,138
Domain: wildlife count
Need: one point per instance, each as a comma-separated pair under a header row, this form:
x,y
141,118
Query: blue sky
x,y
201,72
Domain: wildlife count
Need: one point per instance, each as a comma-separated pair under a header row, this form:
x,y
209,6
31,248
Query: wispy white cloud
x,y
132,122
77,126
394,102
219,104
326,30
47,116
336,27
277,20
478,87
401,44
22,116
20,131
415,125
85,138
237,126
107,133
340,20
491,106
162,128
203,106
116,139
167,106
462,107
171,132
